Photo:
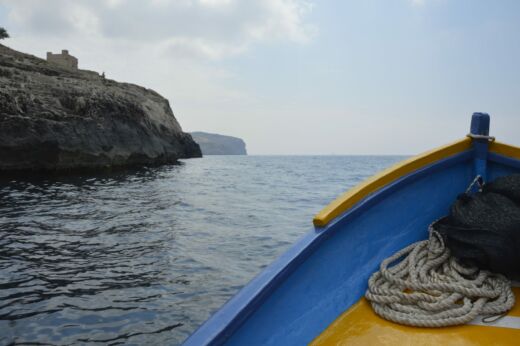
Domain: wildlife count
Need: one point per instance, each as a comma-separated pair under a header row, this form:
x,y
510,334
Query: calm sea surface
x,y
144,256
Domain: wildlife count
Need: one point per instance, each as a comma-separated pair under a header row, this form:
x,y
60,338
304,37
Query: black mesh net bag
x,y
483,228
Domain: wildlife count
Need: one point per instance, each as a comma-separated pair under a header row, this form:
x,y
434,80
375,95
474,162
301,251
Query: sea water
x,y
144,256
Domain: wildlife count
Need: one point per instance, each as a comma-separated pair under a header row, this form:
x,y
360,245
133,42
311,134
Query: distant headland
x,y
215,144
54,116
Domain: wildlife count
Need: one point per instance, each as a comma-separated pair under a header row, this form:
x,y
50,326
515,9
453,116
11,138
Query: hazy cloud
x,y
197,28
178,48
383,77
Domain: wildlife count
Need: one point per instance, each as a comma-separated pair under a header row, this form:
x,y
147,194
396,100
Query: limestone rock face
x,y
214,144
54,118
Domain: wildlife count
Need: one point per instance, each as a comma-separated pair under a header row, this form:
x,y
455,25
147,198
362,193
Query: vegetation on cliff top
x,y
3,33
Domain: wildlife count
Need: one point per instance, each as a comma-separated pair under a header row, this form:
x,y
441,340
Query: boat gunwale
x,y
506,160
502,150
348,199
225,321
371,185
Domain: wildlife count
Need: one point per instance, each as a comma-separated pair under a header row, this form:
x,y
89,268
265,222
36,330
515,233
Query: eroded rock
x,y
53,118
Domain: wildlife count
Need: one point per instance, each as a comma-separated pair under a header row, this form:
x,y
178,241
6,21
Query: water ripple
x,y
144,256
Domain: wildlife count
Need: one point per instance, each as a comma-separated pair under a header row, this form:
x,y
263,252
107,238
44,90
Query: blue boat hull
x,y
326,272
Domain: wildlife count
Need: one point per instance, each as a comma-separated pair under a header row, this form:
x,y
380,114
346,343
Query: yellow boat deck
x,y
361,326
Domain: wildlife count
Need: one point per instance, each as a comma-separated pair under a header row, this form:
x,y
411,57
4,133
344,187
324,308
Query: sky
x,y
299,77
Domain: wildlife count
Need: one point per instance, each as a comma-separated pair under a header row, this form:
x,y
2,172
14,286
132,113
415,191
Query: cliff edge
x,y
214,144
55,118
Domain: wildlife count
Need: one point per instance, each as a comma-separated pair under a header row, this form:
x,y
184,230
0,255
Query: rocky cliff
x,y
53,118
214,144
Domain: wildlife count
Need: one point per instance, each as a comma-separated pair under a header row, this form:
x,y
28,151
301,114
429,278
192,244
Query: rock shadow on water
x,y
73,245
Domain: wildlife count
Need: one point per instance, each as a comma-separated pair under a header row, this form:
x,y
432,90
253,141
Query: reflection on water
x,y
144,256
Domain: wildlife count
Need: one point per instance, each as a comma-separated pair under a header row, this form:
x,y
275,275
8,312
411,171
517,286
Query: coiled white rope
x,y
430,288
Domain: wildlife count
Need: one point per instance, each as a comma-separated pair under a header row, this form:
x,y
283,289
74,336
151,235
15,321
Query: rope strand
x,y
427,287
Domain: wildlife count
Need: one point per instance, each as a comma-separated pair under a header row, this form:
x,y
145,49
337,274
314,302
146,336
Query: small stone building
x,y
63,59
